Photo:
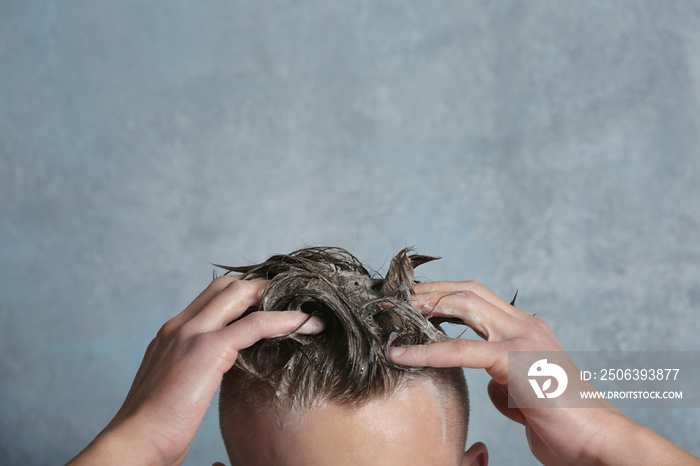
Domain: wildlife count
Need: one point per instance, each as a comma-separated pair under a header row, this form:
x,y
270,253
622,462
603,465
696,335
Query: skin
x,y
409,427
184,364
182,370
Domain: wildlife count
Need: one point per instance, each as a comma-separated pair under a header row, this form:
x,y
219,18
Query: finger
x,y
476,287
500,398
454,353
488,320
229,304
214,288
259,325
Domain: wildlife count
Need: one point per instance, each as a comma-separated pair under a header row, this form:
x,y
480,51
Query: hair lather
x,y
349,361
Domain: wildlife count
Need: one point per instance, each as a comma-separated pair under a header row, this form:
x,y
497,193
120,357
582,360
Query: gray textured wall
x,y
550,146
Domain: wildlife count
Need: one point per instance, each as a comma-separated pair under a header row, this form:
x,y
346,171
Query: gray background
x,y
547,146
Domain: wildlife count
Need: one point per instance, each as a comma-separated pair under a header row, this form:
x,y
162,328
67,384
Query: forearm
x,y
624,442
118,446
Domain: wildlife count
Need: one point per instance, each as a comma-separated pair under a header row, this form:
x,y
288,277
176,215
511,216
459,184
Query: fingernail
x,y
314,325
396,352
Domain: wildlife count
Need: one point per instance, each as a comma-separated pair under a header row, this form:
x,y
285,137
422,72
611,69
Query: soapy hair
x,y
348,363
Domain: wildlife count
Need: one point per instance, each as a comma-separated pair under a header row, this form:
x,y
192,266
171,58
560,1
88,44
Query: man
x,y
401,416
336,397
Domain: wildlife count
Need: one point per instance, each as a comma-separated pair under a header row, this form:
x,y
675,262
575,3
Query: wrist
x,y
118,445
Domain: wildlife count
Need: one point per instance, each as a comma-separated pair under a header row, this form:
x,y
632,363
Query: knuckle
x,y
474,285
420,355
540,324
237,284
170,333
463,349
461,344
166,330
222,281
242,287
257,319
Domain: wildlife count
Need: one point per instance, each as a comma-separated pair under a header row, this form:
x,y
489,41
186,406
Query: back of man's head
x,y
342,377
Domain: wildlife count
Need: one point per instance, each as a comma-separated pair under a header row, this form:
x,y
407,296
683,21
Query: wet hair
x,y
348,363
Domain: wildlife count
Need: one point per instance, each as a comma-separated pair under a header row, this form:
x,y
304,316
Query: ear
x,y
477,455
